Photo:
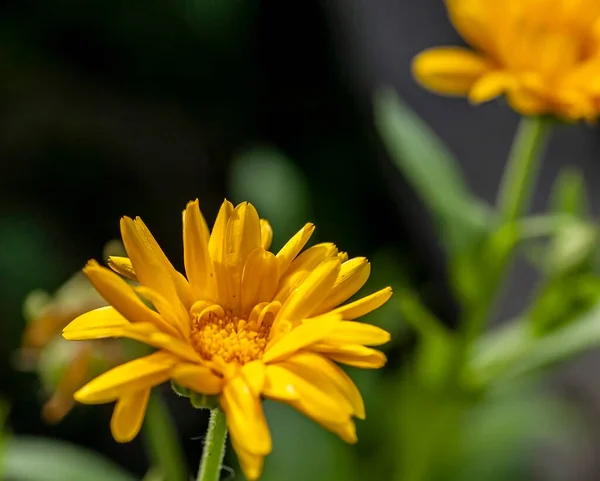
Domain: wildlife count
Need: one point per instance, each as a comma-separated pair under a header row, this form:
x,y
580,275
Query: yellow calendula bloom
x,y
242,324
544,55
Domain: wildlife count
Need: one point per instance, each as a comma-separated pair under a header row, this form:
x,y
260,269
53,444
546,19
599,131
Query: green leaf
x,y
432,171
437,347
37,459
569,194
514,350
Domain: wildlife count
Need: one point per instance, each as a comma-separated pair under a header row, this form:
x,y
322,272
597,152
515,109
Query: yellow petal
x,y
305,334
142,373
312,401
490,86
245,418
278,384
352,355
353,275
198,264
449,70
241,238
266,234
122,297
308,368
254,374
197,378
122,266
251,464
259,279
526,102
349,332
99,319
302,266
331,373
476,21
293,247
363,306
151,266
316,287
128,415
177,318
216,248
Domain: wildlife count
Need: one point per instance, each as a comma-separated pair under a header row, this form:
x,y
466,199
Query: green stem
x,y
520,173
214,447
515,192
162,441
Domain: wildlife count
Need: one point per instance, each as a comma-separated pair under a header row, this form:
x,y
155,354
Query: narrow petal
x,y
353,275
245,418
301,336
122,266
151,266
313,290
266,234
216,248
350,332
200,379
142,373
302,266
352,355
490,86
128,415
311,401
363,306
449,70
102,318
251,464
177,318
122,297
241,238
198,264
293,247
331,372
259,279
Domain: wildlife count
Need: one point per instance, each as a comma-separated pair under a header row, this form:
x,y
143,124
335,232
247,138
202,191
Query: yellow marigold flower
x,y
543,54
243,324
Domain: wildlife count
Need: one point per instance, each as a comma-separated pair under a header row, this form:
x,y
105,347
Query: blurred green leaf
x,y
432,171
514,350
273,183
37,459
574,244
436,350
569,194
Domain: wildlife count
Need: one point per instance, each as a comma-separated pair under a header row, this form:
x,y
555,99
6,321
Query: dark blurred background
x,y
115,107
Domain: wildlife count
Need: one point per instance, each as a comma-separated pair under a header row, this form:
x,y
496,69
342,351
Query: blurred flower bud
x,y
65,366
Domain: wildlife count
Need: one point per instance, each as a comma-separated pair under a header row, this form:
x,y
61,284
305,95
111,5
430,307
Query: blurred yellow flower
x,y
245,324
63,367
544,55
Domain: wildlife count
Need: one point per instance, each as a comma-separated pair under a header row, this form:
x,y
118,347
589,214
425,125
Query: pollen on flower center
x,y
230,338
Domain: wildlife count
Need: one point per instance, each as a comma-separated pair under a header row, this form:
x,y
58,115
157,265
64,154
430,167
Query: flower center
x,y
230,338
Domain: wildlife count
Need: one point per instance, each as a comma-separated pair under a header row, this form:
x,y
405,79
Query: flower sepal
x,y
199,401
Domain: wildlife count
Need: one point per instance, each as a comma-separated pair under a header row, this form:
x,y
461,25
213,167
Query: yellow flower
x,y
544,55
243,324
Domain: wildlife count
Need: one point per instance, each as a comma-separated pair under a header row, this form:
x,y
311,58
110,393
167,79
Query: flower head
x,y
243,324
544,55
